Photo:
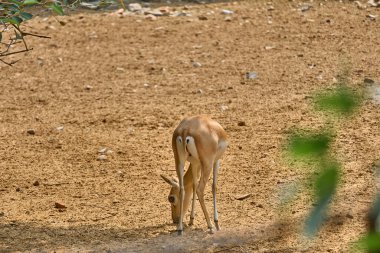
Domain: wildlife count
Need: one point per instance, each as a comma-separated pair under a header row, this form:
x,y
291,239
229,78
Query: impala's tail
x,y
190,147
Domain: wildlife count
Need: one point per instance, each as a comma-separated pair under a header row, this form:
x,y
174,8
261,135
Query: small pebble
x,y
88,87
102,158
31,131
241,123
36,183
197,64
59,205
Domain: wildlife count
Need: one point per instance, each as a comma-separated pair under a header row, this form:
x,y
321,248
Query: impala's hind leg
x,y
214,182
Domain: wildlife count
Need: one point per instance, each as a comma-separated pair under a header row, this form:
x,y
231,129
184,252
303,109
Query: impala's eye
x,y
179,139
187,140
171,199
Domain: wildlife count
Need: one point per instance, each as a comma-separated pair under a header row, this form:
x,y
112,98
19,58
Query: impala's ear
x,y
170,181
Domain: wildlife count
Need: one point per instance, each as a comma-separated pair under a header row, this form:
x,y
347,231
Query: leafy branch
x,y
12,16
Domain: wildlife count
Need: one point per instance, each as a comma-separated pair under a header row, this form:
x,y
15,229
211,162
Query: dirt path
x,y
125,83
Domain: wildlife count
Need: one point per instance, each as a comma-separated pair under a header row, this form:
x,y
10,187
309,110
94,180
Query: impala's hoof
x,y
211,231
217,226
191,222
180,232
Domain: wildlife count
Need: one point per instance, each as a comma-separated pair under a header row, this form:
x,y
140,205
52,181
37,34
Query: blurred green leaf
x,y
327,182
316,217
57,8
26,15
309,144
30,2
341,100
17,2
15,20
325,186
14,7
371,242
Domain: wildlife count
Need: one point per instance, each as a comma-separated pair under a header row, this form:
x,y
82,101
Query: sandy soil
x,y
125,83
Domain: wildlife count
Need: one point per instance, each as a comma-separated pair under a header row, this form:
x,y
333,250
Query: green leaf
x,y
31,2
57,8
14,7
316,217
327,182
26,15
371,242
17,2
309,145
15,20
325,185
341,101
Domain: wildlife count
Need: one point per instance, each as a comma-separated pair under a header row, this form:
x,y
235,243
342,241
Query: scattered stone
x,y
228,19
156,13
374,91
88,87
40,61
227,12
350,216
151,17
199,91
260,206
119,11
241,123
373,3
31,131
270,8
368,81
18,189
59,205
202,18
197,64
165,11
224,108
269,47
2,214
251,75
135,7
371,17
102,158
360,5
60,128
90,6
244,196
102,150
305,7
36,183
120,70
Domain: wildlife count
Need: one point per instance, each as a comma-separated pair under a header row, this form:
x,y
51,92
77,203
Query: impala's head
x,y
173,198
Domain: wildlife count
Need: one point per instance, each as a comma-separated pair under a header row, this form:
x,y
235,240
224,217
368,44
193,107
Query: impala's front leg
x,y
195,171
180,158
180,173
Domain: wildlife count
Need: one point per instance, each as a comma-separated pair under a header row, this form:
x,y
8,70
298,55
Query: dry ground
x,y
125,83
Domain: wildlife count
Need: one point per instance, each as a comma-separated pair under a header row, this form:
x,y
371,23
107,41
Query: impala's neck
x,y
188,184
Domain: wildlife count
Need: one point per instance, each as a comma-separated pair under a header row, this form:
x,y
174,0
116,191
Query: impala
x,y
200,141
